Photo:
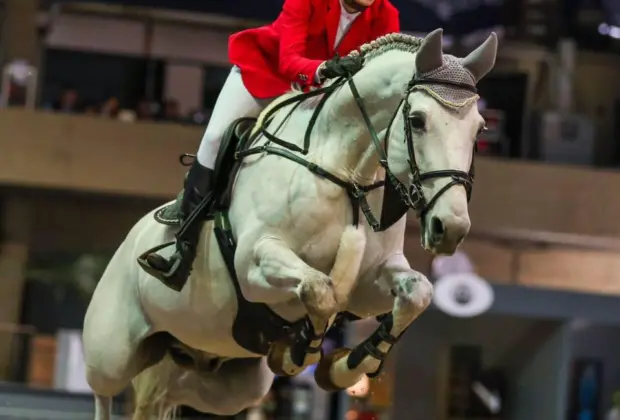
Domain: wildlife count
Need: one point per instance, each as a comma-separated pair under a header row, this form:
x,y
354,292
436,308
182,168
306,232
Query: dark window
x,y
99,76
215,76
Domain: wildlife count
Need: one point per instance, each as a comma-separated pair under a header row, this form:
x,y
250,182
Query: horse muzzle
x,y
442,233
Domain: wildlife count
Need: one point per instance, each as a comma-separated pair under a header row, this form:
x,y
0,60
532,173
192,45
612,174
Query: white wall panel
x,y
185,84
114,36
122,36
192,44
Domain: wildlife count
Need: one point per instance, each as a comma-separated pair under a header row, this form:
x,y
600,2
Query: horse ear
x,y
430,55
481,61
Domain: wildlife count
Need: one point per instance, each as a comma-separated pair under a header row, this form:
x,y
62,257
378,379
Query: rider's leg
x,y
233,102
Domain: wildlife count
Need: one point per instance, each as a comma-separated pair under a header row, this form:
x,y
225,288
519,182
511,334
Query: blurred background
x,y
98,98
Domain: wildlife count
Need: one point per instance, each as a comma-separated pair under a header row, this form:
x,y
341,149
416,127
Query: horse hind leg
x,y
115,338
323,296
106,384
103,407
237,385
151,391
412,293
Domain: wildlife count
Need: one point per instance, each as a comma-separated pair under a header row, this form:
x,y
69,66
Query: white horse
x,y
409,113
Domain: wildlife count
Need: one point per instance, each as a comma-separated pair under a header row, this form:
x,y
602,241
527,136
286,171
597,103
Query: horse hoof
x,y
277,360
322,373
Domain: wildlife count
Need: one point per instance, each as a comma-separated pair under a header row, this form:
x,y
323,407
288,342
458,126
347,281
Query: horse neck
x,y
348,149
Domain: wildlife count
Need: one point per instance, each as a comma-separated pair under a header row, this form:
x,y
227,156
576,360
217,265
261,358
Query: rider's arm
x,y
388,23
295,17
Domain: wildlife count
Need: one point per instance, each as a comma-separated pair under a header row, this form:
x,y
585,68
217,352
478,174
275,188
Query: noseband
x,y
410,198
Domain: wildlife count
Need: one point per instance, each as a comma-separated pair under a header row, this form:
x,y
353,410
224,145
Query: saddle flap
x,y
226,166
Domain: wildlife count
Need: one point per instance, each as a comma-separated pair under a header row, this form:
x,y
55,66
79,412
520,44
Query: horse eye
x,y
417,121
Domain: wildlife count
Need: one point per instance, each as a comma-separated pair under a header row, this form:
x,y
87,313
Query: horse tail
x,y
151,396
348,261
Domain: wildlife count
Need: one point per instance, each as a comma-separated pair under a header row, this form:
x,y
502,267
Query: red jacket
x,y
291,49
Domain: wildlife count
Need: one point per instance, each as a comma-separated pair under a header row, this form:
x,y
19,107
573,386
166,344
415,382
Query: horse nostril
x,y
437,229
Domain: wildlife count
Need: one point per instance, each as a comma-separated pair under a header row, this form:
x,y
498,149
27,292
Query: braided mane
x,y
383,44
387,43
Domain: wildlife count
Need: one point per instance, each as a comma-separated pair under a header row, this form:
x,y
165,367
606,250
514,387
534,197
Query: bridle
x,y
414,196
410,198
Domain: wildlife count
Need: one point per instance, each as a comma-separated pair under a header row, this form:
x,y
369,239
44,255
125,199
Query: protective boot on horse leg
x,y
411,293
323,296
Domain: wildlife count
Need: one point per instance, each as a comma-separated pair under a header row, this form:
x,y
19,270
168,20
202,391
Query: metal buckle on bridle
x,y
356,192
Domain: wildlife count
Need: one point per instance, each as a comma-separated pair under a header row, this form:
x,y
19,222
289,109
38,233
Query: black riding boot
x,y
175,271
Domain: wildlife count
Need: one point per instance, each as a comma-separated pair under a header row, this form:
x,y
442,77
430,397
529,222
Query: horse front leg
x,y
278,272
412,293
323,296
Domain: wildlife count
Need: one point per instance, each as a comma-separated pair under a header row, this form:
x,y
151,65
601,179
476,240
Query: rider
x,y
297,48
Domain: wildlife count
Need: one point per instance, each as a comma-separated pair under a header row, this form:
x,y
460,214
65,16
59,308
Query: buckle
x,y
357,192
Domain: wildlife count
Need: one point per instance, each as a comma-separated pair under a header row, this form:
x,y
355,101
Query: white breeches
x,y
233,102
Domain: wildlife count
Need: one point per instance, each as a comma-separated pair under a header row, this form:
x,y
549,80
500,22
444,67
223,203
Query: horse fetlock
x,y
306,357
344,376
370,366
317,294
304,353
290,359
282,362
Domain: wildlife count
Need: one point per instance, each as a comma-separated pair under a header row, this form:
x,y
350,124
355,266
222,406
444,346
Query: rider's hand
x,y
341,67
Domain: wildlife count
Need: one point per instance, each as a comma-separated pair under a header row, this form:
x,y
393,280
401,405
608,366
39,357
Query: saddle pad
x,y
169,214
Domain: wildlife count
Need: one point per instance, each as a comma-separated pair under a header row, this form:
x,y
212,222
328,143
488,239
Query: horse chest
x,y
315,227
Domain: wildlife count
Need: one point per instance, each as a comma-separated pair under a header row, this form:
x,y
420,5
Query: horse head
x,y
429,144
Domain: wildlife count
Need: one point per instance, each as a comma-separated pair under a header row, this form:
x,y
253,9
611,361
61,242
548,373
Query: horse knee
x,y
317,293
415,291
